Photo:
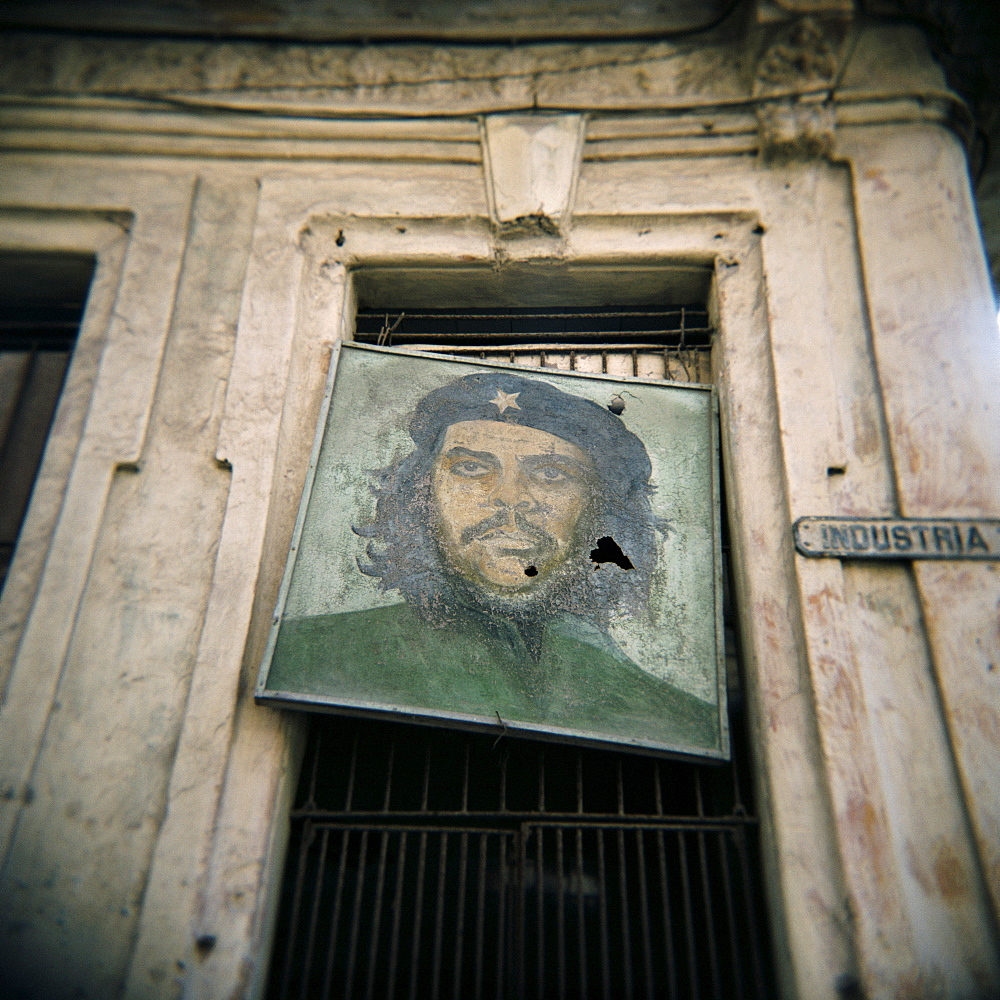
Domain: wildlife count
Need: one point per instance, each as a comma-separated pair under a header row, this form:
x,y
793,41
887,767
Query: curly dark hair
x,y
403,552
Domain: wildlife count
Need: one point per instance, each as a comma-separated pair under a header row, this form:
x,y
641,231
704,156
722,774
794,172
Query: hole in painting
x,y
608,550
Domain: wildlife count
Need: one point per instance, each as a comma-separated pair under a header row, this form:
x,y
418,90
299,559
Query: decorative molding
x,y
801,56
309,86
231,135
779,125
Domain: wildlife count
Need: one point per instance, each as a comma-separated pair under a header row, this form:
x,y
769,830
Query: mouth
x,y
519,538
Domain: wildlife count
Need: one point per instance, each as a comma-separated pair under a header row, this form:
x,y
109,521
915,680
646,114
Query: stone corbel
x,y
794,129
796,73
531,164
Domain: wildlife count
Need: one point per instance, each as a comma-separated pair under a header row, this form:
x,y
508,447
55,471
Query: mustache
x,y
501,519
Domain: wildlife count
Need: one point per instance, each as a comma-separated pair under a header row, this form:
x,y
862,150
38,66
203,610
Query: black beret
x,y
618,455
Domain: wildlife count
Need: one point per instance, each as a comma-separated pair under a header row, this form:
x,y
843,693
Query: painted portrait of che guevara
x,y
514,530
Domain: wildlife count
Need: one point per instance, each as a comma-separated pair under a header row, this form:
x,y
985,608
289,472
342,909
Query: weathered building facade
x,y
798,166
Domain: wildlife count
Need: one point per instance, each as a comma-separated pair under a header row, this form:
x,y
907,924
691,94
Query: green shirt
x,y
473,666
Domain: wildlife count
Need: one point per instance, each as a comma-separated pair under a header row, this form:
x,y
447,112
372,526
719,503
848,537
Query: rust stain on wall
x,y
866,834
949,873
942,873
768,612
844,690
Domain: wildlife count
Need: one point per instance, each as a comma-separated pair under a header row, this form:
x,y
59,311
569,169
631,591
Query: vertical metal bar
x,y
541,781
667,373
425,792
706,889
439,915
521,948
540,909
352,948
308,834
738,808
502,918
581,926
623,900
751,917
463,860
635,363
418,911
352,772
668,930
734,939
310,802
688,917
561,915
579,782
603,913
622,888
397,914
481,912
572,361
314,916
647,942
503,782
377,914
465,780
338,896
388,777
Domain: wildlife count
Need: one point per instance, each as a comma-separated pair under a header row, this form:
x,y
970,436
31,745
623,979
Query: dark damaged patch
x,y
608,550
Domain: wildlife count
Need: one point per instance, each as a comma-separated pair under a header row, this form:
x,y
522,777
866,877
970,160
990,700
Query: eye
x,y
470,469
550,474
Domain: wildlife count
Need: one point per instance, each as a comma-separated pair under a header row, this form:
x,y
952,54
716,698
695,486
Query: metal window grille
x,y
670,343
428,863
41,304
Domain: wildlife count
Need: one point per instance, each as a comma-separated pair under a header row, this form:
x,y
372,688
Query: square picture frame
x,y
535,552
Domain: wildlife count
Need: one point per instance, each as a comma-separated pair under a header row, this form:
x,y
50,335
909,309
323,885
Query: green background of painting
x,y
374,394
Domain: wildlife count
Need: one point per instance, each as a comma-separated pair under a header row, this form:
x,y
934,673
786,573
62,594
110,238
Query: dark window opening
x,y
429,863
42,297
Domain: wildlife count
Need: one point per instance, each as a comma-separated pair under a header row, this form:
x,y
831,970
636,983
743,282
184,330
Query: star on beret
x,y
506,400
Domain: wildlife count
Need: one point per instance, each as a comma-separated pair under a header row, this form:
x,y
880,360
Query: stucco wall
x,y
230,193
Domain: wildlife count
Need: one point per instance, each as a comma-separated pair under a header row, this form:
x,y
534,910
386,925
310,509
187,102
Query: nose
x,y
511,491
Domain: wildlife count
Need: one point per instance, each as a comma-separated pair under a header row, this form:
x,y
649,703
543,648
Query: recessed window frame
x,y
316,822
103,238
